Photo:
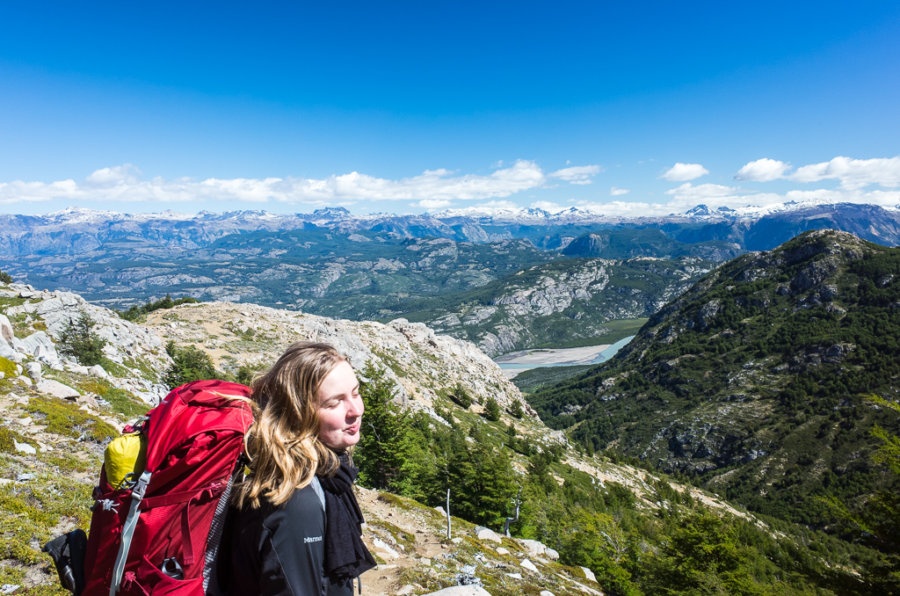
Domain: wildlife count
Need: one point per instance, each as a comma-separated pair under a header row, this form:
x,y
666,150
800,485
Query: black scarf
x,y
345,554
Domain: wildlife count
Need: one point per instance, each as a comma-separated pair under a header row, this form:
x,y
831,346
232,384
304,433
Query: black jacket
x,y
278,550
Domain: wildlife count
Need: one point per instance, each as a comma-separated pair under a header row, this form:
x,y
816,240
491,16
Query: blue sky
x,y
637,108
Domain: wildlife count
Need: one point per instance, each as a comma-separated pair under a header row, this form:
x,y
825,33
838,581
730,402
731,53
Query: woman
x,y
295,525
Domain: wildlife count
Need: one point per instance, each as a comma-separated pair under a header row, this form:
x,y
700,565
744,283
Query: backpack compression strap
x,y
137,495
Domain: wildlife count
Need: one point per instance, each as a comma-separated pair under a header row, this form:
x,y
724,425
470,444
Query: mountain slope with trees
x,y
758,381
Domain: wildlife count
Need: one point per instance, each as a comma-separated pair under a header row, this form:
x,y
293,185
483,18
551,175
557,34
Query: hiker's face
x,y
340,408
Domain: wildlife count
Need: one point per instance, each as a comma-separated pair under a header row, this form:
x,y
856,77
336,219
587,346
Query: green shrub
x,y
7,367
516,410
120,400
8,439
78,340
460,396
492,410
245,374
136,312
189,364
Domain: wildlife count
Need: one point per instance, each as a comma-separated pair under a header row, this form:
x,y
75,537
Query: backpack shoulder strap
x,y
317,486
128,528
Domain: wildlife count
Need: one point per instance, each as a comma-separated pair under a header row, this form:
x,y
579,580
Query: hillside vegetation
x,y
759,383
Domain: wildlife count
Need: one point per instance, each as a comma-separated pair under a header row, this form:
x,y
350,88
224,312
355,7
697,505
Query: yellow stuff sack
x,y
125,458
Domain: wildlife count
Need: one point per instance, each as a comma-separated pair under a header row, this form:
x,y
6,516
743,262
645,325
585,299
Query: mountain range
x,y
463,273
77,231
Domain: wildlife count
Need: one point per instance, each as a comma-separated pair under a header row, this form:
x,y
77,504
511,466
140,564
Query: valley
x,y
524,299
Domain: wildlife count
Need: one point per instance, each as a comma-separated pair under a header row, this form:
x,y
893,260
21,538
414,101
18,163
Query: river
x,y
515,362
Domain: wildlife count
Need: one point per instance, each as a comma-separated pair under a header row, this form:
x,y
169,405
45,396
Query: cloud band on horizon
x,y
442,188
432,187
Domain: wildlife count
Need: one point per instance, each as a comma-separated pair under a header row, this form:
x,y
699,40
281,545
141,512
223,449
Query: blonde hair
x,y
283,445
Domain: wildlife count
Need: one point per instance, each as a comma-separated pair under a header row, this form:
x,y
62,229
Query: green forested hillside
x,y
659,539
756,382
647,242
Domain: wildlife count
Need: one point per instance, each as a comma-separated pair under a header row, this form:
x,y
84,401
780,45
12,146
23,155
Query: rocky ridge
x,y
33,321
420,362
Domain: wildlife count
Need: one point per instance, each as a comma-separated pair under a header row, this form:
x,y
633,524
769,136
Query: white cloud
x,y
576,174
762,170
431,204
496,190
682,172
34,192
853,173
688,191
123,184
124,174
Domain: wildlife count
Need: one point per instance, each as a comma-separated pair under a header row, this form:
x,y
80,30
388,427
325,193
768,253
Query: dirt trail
x,y
387,578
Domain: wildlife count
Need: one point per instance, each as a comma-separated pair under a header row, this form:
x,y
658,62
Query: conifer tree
x,y
79,340
460,396
885,506
481,480
492,410
188,364
384,437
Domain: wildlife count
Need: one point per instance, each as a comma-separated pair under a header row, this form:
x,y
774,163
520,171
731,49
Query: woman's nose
x,y
355,408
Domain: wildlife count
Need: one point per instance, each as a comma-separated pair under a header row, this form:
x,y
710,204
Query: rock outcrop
x,y
34,320
247,334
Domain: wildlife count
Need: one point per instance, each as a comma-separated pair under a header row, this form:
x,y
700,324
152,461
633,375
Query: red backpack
x,y
160,534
